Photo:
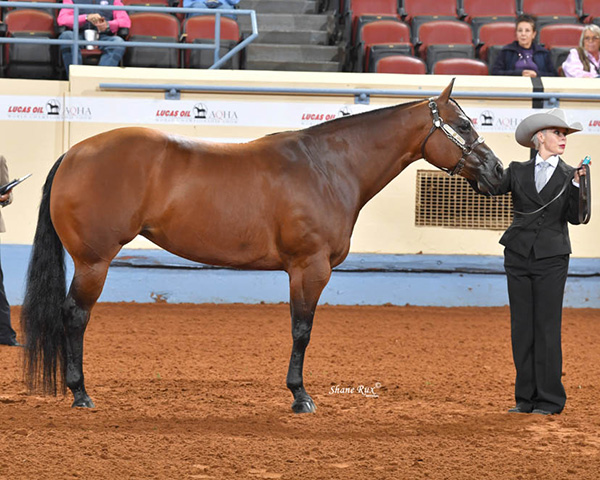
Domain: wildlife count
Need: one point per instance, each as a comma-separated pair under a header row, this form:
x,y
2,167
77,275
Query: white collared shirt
x,y
553,161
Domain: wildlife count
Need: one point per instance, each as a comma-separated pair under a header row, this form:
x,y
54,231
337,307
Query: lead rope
x,y
585,205
585,195
562,190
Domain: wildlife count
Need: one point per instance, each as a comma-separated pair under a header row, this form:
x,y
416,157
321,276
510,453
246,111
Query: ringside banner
x,y
142,111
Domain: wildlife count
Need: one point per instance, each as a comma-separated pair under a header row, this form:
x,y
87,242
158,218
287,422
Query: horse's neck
x,y
389,143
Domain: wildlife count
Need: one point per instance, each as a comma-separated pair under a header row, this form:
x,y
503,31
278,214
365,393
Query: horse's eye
x,y
464,127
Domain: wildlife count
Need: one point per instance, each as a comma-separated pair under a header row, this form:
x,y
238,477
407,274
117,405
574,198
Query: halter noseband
x,y
438,122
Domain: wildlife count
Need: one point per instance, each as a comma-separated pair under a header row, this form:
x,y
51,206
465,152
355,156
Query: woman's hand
x,y
580,171
102,25
98,21
529,73
4,198
94,18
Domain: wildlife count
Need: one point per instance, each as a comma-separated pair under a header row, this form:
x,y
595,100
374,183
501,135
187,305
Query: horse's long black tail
x,y
41,315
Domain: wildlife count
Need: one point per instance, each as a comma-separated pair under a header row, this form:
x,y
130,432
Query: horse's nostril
x,y
499,169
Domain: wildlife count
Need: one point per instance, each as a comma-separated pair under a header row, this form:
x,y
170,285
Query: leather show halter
x,y
438,122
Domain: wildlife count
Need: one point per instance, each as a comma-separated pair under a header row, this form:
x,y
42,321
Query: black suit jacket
x,y
546,232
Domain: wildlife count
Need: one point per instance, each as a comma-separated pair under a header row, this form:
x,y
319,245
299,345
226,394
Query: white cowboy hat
x,y
540,121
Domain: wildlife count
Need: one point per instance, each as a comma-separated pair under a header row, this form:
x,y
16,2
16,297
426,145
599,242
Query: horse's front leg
x,y
306,284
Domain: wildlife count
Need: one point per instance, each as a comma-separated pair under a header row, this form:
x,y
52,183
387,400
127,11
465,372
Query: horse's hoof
x,y
304,406
85,402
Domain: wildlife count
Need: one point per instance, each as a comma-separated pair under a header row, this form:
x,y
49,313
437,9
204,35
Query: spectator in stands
x,y
584,61
216,4
524,56
7,334
106,22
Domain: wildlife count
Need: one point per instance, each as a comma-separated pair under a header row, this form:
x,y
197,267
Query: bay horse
x,y
287,201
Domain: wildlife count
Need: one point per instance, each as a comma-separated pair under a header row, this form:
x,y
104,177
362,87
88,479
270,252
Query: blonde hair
x,y
595,29
535,139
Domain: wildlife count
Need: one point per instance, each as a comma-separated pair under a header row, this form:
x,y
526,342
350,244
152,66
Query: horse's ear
x,y
445,95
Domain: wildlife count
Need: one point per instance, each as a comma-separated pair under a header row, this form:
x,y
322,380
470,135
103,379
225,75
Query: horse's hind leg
x,y
85,289
306,284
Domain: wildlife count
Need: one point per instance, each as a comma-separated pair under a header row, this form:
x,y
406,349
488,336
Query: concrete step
x,y
279,6
284,22
293,66
293,53
302,37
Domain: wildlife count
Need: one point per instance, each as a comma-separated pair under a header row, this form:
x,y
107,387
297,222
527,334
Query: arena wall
x,y
39,120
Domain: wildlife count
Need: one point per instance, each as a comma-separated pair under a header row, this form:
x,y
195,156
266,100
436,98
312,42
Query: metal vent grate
x,y
444,201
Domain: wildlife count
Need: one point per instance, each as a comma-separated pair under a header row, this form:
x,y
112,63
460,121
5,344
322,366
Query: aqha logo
x,y
487,119
344,112
78,111
202,112
53,107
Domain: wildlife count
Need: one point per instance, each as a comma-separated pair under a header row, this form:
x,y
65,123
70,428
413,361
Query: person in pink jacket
x,y
106,22
584,61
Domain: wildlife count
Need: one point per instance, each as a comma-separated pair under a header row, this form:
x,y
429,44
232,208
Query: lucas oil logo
x,y
311,118
33,109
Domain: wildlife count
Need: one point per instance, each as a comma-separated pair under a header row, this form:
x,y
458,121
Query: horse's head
x,y
454,146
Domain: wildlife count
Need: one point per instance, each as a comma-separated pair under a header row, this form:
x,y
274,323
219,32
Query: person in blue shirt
x,y
216,4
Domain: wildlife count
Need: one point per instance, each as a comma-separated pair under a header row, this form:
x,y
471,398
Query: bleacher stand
x,y
590,11
460,66
153,27
483,12
418,12
30,61
442,39
200,29
493,37
369,31
559,39
401,64
551,11
378,39
491,24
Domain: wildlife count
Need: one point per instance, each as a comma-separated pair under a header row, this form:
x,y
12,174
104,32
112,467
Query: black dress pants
x,y
536,290
6,332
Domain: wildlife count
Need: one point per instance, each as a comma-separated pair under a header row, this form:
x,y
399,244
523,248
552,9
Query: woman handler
x,y
545,193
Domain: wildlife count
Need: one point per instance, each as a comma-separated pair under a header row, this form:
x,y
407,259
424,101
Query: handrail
x,y
361,95
76,43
